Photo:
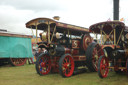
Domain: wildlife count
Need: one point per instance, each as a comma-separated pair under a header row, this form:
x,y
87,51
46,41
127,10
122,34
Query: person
x,y
30,61
37,53
64,40
44,50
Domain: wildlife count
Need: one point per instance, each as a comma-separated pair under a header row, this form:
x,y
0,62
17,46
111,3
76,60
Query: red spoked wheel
x,y
17,61
97,52
43,64
66,65
103,67
94,51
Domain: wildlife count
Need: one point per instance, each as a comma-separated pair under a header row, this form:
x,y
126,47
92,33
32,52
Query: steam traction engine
x,y
114,42
63,47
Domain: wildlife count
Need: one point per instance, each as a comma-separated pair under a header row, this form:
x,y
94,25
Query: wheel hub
x,y
66,65
43,64
103,67
96,56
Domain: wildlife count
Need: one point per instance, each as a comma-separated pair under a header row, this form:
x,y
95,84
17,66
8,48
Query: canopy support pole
x,y
49,33
36,32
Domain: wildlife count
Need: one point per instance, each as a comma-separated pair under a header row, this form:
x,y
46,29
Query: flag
x,y
109,19
122,19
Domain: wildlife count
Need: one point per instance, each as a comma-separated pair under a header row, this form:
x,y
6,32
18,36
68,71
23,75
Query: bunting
x,y
122,19
109,19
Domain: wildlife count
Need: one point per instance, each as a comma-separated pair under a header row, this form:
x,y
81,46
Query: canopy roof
x,y
42,24
107,26
126,28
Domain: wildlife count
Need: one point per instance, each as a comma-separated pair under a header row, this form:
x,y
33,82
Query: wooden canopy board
x,y
110,32
107,26
126,28
42,24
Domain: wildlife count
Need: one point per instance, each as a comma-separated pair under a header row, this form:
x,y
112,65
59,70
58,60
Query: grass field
x,y
26,75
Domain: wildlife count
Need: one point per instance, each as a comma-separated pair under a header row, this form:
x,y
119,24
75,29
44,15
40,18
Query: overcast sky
x,y
15,13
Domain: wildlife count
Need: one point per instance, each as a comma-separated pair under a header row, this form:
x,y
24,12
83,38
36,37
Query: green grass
x,y
26,75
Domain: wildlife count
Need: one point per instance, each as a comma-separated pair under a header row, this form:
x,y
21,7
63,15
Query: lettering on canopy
x,y
41,21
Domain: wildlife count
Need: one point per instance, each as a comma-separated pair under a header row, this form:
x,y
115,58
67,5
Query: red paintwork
x,y
75,46
79,58
67,50
76,43
45,65
86,41
112,46
116,49
108,26
96,51
55,64
75,51
68,65
18,61
104,67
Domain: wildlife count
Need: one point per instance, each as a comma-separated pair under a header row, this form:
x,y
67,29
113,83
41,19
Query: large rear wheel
x,y
103,67
43,64
94,51
66,65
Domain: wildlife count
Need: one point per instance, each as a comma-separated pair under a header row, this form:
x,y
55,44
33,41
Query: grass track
x,y
26,75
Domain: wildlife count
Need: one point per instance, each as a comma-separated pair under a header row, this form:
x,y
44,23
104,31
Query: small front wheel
x,y
66,65
43,64
103,67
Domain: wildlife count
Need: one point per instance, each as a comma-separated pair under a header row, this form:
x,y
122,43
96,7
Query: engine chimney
x,y
56,18
116,9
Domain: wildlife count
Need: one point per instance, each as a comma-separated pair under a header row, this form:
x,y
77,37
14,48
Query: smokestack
x,y
56,18
116,9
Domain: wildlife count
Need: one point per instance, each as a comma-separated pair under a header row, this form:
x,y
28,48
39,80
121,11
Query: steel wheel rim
x,y
45,65
68,66
97,52
18,61
104,67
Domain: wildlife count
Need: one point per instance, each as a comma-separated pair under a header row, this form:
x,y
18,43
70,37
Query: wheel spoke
x,y
44,65
103,67
67,66
65,60
95,57
99,50
40,68
63,69
17,61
